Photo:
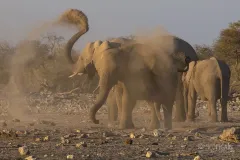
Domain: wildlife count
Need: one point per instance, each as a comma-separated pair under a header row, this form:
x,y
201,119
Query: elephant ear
x,y
88,53
189,73
104,46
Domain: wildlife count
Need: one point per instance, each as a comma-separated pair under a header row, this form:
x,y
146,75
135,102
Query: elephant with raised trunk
x,y
141,72
208,79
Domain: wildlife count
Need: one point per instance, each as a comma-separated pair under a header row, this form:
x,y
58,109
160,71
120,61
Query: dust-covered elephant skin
x,y
180,46
141,72
209,79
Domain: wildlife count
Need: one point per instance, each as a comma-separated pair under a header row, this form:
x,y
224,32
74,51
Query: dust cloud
x,y
18,106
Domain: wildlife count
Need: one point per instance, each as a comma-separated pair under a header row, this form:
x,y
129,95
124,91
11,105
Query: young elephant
x,y
209,79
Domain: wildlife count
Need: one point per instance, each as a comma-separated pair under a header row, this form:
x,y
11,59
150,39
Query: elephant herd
x,y
129,71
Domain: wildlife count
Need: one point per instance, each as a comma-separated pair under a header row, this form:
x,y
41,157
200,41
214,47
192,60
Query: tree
x,y
227,48
203,51
227,45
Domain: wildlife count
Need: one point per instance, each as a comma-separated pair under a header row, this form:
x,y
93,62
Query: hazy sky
x,y
196,21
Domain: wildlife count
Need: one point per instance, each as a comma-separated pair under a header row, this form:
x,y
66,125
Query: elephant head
x,y
181,61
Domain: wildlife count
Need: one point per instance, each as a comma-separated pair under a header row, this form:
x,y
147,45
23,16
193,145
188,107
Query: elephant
x,y
141,72
209,79
135,71
180,45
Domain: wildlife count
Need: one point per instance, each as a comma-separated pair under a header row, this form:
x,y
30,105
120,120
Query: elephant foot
x,y
112,124
224,119
212,120
155,125
190,120
126,125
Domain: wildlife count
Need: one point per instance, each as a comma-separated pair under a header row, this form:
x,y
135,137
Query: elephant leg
x,y
209,109
180,114
192,98
112,107
213,113
118,95
167,111
224,117
155,109
127,107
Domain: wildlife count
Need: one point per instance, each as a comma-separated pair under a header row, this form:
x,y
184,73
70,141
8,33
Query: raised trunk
x,y
71,42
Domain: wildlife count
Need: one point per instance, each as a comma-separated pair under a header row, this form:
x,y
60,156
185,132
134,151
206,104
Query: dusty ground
x,y
110,143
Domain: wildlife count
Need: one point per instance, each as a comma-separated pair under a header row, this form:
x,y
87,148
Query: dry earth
x,y
57,126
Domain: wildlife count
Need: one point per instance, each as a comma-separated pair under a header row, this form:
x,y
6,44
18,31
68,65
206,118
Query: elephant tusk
x,y
74,74
80,74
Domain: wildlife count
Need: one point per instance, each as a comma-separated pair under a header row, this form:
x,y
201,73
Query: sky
x,y
196,21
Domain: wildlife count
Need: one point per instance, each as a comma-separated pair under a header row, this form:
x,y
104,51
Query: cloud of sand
x,y
24,52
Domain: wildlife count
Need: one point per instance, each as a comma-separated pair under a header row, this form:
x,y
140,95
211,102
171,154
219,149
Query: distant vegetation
x,y
47,66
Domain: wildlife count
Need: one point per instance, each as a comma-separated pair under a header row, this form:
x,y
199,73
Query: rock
x,y
46,138
47,123
197,158
70,156
143,130
84,135
231,135
30,158
65,141
141,136
132,135
150,154
3,123
45,156
128,141
81,144
78,131
23,150
38,139
198,135
16,120
154,143
157,132
107,134
189,138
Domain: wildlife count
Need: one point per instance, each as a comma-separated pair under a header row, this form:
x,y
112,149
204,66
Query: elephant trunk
x,y
187,61
102,97
80,20
71,42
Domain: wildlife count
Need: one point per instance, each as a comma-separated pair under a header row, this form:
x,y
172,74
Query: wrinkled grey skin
x,y
209,79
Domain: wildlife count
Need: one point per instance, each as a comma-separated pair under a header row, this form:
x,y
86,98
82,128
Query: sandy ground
x,y
105,142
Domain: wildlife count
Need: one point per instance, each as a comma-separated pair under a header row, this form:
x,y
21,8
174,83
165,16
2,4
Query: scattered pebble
x,y
150,154
23,150
16,120
30,158
197,158
128,141
231,135
70,156
132,135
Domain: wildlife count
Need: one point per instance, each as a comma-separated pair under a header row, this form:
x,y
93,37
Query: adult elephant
x,y
209,79
141,73
180,46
